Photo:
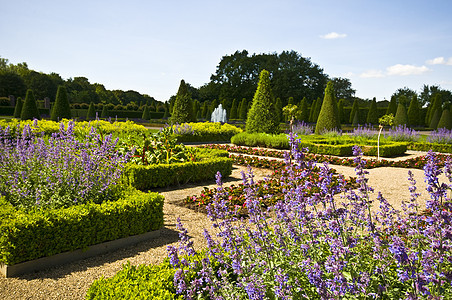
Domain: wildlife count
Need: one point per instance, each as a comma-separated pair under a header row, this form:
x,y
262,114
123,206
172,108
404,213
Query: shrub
x,y
445,121
233,113
340,111
435,118
243,111
301,128
355,110
41,233
61,108
183,106
105,112
145,115
440,136
262,115
304,114
372,114
91,114
392,107
261,139
328,118
18,108
414,112
59,172
29,109
204,132
401,116
402,133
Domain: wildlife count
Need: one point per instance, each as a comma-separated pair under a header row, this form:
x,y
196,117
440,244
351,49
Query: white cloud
x,y
404,70
348,74
372,74
333,35
440,61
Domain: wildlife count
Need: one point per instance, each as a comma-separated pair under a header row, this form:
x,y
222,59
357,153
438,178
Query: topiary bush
x,y
91,115
145,115
445,121
262,115
29,109
401,116
355,109
328,118
18,108
414,112
61,109
183,106
372,114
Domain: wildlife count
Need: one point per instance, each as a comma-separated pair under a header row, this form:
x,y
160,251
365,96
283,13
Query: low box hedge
x,y
30,235
436,147
204,132
164,175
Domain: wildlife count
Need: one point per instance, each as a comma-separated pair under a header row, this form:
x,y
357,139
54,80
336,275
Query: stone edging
x,y
70,256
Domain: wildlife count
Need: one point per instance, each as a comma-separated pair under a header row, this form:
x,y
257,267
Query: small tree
x,y
436,105
61,108
392,108
445,121
243,112
312,112
29,109
401,117
183,105
279,110
318,107
372,115
328,118
304,114
146,115
290,111
262,115
435,119
91,114
233,114
387,120
356,118
355,110
414,112
340,110
18,108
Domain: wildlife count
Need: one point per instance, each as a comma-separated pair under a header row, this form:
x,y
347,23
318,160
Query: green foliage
x,y
435,119
392,108
29,109
233,114
262,115
401,117
356,118
304,114
436,105
414,112
279,110
105,112
183,106
312,111
328,118
386,120
145,115
340,111
142,282
91,115
41,233
18,108
61,109
204,132
355,110
317,108
164,175
445,121
372,115
261,139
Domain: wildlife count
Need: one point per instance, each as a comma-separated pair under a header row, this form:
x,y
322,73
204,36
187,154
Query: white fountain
x,y
219,114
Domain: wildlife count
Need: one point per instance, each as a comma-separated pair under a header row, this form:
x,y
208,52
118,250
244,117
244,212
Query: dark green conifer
x,y
18,108
61,108
304,115
318,107
435,119
392,108
312,112
401,117
91,114
355,120
146,115
233,114
243,109
414,112
183,106
372,114
355,109
262,115
29,109
106,112
445,121
328,119
340,110
278,109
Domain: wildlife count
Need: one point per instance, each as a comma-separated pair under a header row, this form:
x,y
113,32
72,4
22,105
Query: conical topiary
x,y
279,110
318,107
146,115
355,109
392,108
262,115
105,112
61,108
304,115
29,109
91,114
233,113
355,120
445,121
435,119
401,116
372,114
340,110
433,107
18,108
328,118
414,112
243,111
312,111
183,106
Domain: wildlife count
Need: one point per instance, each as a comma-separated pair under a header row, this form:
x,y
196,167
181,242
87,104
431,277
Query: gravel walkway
x,y
71,281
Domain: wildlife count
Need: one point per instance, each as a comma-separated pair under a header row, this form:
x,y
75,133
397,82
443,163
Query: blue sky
x,y
149,46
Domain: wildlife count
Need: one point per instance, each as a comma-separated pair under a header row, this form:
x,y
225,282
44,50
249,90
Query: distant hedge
x,y
118,113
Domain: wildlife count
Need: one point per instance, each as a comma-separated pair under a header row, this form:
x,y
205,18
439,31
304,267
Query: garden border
x,y
79,254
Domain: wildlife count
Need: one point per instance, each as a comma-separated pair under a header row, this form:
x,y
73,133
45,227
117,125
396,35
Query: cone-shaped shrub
x,y
61,108
445,121
183,106
355,108
312,112
233,114
262,115
434,106
435,119
392,108
340,110
29,109
401,116
304,115
355,120
328,118
318,107
372,114
243,112
279,110
105,112
18,108
91,115
146,115
414,112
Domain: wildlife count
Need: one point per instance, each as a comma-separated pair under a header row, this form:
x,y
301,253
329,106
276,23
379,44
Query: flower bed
x,y
204,132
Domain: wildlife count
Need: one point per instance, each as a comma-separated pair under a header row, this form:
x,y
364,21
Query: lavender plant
x,y
302,128
440,136
319,246
59,171
365,132
402,133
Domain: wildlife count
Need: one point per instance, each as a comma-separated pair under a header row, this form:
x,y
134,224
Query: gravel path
x,y
71,281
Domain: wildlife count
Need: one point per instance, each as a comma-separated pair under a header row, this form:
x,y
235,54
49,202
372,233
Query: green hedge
x,y
118,114
279,141
163,175
9,111
42,233
443,148
142,282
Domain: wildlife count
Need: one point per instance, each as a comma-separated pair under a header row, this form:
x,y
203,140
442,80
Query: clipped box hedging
x,y
30,235
141,282
6,110
436,147
204,132
279,141
163,175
